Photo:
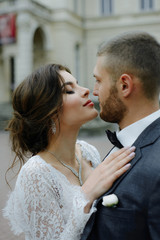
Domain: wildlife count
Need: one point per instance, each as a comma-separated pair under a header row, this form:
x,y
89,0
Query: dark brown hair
x,y
36,101
136,53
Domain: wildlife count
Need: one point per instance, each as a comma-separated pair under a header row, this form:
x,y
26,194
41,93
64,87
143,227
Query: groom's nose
x,y
95,92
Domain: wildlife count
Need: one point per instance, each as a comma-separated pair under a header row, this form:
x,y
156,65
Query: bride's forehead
x,y
67,77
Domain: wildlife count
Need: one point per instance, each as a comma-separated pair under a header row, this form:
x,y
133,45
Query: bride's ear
x,y
126,84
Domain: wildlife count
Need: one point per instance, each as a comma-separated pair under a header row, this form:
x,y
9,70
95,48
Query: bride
x,y
57,187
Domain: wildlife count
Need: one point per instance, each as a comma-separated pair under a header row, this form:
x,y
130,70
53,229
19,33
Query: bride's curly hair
x,y
36,101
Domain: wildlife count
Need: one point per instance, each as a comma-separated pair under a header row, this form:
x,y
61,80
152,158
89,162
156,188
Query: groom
x,y
127,84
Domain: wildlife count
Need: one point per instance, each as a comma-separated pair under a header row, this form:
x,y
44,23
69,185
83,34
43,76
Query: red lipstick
x,y
88,103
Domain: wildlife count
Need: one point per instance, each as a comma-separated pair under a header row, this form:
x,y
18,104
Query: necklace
x,y
77,174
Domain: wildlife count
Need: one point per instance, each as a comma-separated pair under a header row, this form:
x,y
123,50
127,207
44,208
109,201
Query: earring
x,y
53,127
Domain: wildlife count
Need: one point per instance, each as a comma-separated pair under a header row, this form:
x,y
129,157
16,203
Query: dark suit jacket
x,y
137,215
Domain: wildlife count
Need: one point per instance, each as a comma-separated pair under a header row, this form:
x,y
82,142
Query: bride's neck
x,y
64,146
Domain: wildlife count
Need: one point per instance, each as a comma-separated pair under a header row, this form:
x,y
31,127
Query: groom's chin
x,y
107,117
102,116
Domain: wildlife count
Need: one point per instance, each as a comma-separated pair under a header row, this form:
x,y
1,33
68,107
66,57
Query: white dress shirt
x,y
129,134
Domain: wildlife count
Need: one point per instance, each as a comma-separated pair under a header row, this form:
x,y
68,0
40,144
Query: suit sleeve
x,y
154,210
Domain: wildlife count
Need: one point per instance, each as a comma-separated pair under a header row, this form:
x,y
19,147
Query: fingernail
x,y
132,154
128,165
132,148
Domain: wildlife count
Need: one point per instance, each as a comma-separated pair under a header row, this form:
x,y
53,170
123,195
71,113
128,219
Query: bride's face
x,y
77,107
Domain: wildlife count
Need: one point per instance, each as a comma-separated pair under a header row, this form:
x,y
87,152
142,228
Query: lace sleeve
x,y
90,153
38,210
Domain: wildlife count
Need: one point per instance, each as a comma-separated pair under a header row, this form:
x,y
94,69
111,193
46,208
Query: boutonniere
x,y
110,200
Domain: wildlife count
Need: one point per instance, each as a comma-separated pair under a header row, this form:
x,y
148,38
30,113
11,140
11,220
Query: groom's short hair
x,y
136,53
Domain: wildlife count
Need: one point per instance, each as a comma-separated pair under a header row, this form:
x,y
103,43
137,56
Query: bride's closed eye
x,y
68,87
69,91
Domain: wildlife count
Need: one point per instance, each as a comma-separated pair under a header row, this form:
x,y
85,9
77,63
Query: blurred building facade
x,y
36,32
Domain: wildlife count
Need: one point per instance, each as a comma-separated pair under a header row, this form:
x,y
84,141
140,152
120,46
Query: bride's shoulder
x,y
35,167
35,163
89,152
37,174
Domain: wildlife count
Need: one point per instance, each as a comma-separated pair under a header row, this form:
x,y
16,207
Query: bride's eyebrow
x,y
66,84
69,83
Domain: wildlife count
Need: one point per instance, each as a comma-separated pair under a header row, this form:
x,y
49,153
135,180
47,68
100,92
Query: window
x,y
146,4
106,7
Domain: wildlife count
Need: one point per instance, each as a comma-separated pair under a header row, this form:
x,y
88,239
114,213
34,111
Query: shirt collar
x,y
128,135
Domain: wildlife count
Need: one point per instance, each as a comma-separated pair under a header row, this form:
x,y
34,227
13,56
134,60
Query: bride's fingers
x,y
119,155
120,171
122,160
115,154
126,159
127,152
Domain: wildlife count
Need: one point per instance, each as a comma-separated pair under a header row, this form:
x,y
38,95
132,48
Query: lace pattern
x,y
45,205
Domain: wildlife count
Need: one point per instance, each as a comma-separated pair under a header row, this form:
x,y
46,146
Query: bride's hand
x,y
102,178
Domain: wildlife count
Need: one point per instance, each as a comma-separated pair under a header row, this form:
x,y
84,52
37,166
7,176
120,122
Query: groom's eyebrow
x,y
95,76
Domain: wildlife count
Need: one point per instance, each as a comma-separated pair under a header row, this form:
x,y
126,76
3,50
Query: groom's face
x,y
112,109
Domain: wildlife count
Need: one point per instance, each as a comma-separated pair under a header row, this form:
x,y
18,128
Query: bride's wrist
x,y
87,207
88,195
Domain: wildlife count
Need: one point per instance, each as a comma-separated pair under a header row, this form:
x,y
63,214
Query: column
x,y
24,61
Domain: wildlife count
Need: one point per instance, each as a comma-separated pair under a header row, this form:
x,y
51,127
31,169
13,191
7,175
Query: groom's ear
x,y
126,84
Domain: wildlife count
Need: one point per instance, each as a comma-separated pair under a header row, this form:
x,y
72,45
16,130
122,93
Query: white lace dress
x,y
45,205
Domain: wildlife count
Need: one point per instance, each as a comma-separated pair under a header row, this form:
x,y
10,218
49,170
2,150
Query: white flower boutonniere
x,y
110,200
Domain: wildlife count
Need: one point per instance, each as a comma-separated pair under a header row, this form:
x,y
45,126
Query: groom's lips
x,y
88,103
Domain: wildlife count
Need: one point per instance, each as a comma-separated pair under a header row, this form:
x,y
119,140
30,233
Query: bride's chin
x,y
95,114
92,116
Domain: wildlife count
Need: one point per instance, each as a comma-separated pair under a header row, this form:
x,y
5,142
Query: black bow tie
x,y
113,139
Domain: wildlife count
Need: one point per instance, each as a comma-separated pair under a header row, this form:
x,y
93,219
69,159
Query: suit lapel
x,y
107,154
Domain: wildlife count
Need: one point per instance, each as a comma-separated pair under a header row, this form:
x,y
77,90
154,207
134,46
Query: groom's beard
x,y
113,109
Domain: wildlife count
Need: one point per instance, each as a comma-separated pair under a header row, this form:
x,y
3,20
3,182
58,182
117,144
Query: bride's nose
x,y
86,91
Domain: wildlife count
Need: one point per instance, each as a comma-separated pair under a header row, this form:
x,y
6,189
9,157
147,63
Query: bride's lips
x,y
88,103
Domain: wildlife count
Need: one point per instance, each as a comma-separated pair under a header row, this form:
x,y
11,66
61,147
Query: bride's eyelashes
x,y
70,92
68,87
65,91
